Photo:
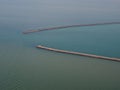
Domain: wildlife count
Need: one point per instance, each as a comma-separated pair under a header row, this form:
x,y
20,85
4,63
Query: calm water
x,y
100,40
23,67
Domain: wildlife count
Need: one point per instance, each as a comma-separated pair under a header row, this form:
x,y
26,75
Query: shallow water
x,y
23,67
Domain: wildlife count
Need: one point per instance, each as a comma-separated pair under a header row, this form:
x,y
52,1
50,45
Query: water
x,y
99,40
23,67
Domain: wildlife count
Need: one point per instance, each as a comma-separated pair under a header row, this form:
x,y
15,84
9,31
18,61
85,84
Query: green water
x,y
23,67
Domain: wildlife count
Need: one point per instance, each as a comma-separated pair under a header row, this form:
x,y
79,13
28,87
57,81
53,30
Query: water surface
x,y
23,67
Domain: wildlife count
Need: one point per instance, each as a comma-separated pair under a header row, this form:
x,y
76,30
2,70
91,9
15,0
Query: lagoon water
x,y
23,67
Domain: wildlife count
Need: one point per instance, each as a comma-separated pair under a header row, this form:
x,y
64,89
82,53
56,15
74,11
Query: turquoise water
x,y
99,40
23,67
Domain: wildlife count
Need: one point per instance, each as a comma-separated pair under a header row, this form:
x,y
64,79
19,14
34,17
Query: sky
x,y
59,12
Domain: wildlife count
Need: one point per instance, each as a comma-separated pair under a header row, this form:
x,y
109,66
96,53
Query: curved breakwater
x,y
78,53
71,52
69,26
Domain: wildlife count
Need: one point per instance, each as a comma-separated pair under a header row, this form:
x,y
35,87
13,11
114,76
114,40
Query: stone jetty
x,y
78,53
69,26
71,52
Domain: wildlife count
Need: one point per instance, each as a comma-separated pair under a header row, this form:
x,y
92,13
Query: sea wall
x,y
69,26
78,53
71,52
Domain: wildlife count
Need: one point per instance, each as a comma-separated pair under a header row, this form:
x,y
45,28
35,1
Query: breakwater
x,y
69,26
78,53
71,52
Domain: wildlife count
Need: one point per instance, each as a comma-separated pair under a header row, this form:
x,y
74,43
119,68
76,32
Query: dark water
x,y
23,67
